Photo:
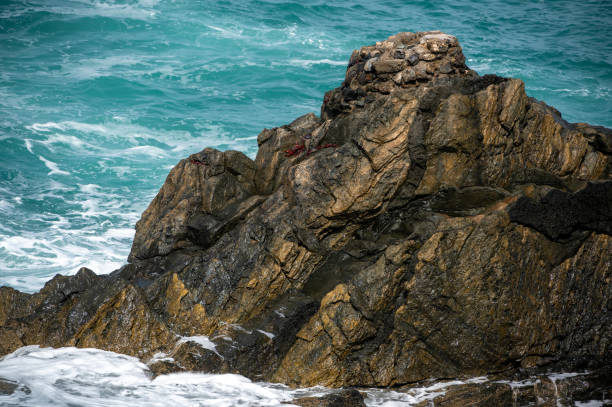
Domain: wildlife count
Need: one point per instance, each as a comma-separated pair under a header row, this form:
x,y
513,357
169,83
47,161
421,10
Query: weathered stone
x,y
552,390
432,223
475,395
446,68
344,398
427,56
389,65
369,65
206,182
409,75
437,47
412,58
7,387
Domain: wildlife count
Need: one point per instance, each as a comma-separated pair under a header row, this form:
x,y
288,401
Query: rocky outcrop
x,y
432,223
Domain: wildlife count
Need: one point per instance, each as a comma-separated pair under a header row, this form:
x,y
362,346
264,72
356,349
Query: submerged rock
x,y
7,386
431,223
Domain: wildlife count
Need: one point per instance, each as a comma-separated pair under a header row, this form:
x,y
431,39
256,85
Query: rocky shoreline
x,y
432,223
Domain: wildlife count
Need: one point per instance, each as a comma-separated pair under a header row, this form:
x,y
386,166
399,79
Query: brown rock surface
x,y
344,398
432,223
545,390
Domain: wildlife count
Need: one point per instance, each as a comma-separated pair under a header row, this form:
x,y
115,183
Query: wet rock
x,y
8,387
369,65
389,65
344,398
204,182
554,390
431,223
474,395
412,58
446,68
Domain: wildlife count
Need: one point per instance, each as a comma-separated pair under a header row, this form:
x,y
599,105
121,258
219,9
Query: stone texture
x,y
344,398
432,223
7,387
546,390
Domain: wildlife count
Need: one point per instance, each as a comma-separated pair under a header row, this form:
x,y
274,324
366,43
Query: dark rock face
x,y
558,214
432,223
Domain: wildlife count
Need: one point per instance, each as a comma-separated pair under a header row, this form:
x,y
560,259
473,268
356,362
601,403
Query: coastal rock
x,y
431,223
554,390
344,398
7,386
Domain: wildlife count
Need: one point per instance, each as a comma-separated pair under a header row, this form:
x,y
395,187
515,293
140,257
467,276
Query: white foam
x,y
562,376
203,341
160,357
5,205
28,144
73,141
414,395
90,188
119,138
142,10
268,334
52,166
592,403
146,151
30,259
119,233
519,384
71,376
16,244
92,68
44,127
226,32
24,283
309,62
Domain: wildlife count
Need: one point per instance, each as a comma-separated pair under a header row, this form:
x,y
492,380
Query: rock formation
x,y
432,223
344,398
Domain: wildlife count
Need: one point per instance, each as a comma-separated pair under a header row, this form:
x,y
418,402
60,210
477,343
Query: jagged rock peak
x,y
402,60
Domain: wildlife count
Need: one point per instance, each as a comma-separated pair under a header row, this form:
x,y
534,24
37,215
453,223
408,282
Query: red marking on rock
x,y
197,162
295,150
299,148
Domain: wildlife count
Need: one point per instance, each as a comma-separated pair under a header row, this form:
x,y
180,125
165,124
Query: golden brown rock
x,y
432,223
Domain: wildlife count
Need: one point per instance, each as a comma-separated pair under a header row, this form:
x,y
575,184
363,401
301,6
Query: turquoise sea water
x,y
100,98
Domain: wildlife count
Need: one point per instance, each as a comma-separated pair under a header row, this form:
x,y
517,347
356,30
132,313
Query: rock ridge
x,y
431,223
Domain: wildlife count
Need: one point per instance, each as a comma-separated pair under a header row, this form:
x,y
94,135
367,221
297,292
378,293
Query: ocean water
x,y
100,98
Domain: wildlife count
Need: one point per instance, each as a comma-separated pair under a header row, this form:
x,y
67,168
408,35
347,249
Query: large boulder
x,y
431,223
